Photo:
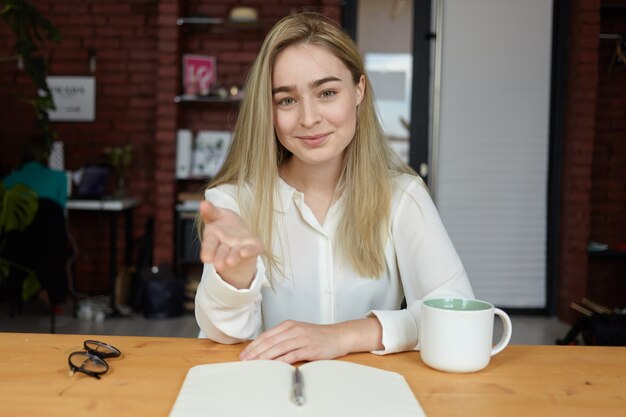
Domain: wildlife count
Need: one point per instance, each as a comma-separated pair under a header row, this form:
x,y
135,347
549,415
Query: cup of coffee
x,y
456,334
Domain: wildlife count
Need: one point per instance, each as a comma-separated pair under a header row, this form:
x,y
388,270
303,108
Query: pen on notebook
x,y
298,387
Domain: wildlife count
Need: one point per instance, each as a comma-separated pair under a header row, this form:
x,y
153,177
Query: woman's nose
x,y
309,113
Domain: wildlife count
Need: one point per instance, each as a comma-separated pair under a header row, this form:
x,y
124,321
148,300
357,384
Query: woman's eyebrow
x,y
283,89
324,80
312,84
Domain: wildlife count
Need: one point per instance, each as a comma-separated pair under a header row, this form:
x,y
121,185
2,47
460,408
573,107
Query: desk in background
x,y
521,381
113,207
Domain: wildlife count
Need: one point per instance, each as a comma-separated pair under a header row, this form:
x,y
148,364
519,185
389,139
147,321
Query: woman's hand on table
x,y
293,341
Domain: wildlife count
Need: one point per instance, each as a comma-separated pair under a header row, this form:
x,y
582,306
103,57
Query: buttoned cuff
x,y
399,330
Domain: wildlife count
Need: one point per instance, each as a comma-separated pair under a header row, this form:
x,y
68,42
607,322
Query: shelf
x,y
191,98
193,178
195,31
188,206
199,21
223,24
608,253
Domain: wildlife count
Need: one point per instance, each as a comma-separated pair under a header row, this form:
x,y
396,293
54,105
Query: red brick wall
x,y
138,47
607,276
594,159
166,122
580,119
234,50
124,37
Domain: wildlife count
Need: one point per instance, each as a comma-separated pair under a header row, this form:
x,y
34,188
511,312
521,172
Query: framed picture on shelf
x,y
199,74
209,152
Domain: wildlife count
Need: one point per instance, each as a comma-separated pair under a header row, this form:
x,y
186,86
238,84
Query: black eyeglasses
x,y
92,361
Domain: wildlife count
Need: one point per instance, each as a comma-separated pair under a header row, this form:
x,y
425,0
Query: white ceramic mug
x,y
456,335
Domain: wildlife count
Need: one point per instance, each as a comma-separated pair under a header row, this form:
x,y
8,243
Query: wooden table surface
x,y
144,381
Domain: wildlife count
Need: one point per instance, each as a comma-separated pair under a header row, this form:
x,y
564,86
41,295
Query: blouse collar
x,y
285,195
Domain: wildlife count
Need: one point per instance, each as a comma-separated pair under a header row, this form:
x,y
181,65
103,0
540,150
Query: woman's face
x,y
314,104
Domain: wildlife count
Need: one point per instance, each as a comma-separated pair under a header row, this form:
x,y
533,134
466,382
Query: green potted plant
x,y
31,31
18,207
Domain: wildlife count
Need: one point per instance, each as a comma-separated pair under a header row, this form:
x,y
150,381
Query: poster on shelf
x,y
199,74
210,151
74,98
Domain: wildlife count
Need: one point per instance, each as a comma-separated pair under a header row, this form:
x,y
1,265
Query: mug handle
x,y
506,333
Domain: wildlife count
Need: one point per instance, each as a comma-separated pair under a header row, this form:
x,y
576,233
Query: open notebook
x,y
265,388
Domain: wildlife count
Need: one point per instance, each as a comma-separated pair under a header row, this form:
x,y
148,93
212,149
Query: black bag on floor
x,y
162,293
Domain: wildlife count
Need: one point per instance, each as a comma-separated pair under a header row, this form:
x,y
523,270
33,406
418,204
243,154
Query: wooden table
x,y
144,381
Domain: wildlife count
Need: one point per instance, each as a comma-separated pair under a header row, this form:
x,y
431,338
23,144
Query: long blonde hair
x,y
256,154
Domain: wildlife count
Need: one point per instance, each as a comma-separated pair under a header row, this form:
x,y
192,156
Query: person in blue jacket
x,y
42,246
35,173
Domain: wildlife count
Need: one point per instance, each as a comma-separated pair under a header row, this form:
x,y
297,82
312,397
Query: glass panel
x,y
384,36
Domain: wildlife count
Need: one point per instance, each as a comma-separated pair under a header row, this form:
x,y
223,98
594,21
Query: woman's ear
x,y
360,89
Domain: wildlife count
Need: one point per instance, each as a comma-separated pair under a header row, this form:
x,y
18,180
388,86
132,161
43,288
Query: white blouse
x,y
320,287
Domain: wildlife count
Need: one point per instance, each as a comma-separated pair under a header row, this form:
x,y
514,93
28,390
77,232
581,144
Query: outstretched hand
x,y
229,245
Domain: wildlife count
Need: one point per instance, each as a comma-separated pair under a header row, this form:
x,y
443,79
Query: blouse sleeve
x,y
428,264
224,313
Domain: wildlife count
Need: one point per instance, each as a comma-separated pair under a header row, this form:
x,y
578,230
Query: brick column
x,y
580,119
168,76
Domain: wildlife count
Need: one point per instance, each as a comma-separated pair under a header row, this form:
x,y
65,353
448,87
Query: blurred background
x,y
513,112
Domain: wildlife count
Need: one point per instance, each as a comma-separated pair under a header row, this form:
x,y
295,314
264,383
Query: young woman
x,y
313,232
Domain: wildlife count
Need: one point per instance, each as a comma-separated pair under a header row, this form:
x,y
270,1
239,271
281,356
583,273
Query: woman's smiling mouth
x,y
314,140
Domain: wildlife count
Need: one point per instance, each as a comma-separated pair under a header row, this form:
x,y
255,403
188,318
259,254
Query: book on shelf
x,y
184,146
211,147
267,388
199,74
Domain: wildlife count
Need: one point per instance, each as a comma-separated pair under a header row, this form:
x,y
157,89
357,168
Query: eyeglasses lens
x,y
101,349
87,362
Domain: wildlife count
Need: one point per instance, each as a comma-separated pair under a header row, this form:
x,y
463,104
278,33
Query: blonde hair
x,y
256,154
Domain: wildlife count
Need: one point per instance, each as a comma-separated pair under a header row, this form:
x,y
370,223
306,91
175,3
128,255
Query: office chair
x,y
18,207
36,250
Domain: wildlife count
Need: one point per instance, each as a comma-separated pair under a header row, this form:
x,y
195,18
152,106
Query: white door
x,y
489,151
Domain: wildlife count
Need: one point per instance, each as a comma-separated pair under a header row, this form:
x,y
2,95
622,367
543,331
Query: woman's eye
x,y
287,101
328,93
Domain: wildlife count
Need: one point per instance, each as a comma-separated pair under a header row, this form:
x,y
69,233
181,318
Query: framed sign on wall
x,y
74,98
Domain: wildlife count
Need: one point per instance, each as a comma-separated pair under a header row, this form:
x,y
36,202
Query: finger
x,y
221,253
294,356
241,253
281,349
209,245
267,339
273,349
251,249
252,350
208,211
233,258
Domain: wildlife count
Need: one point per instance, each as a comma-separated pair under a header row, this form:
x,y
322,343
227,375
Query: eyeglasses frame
x,y
94,355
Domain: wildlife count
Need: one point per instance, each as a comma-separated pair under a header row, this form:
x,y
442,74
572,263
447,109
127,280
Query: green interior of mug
x,y
458,304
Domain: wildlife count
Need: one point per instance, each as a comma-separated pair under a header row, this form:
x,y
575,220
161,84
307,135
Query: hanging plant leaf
x,y
19,207
31,31
30,286
30,283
